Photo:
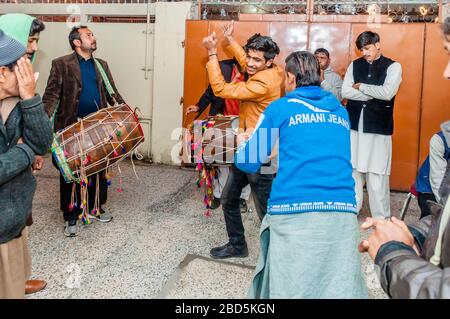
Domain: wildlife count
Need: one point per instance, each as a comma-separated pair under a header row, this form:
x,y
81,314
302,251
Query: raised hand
x,y
228,30
25,78
210,42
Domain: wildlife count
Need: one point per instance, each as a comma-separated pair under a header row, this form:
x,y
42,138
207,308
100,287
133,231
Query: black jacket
x,y
378,115
208,97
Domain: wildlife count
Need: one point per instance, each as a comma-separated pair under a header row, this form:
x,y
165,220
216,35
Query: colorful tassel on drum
x,y
119,189
207,213
72,206
116,153
87,159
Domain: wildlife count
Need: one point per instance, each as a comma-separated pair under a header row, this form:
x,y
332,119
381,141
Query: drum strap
x,y
105,79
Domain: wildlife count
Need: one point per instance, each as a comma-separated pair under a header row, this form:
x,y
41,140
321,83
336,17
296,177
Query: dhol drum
x,y
96,142
212,141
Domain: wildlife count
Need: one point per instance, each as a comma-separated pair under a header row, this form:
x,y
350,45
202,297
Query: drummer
x,y
75,89
262,87
232,73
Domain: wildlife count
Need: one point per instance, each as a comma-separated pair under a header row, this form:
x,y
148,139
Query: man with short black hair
x,y
370,85
331,81
263,86
75,89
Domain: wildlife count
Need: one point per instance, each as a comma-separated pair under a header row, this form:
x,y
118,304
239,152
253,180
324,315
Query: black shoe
x,y
215,203
243,206
228,251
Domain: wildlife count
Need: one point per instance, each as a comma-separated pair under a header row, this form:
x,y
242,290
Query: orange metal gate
x,y
422,102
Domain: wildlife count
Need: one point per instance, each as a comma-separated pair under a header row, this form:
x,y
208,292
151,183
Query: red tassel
x,y
208,213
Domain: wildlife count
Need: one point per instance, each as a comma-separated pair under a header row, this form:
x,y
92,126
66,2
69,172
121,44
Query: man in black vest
x,y
370,85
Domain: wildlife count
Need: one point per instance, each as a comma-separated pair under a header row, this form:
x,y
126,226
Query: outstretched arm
x,y
253,89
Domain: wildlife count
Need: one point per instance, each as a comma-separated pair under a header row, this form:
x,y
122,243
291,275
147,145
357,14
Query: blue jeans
x,y
261,185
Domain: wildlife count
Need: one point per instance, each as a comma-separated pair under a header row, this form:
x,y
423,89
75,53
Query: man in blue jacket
x,y
311,228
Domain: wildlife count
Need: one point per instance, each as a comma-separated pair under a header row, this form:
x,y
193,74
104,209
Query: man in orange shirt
x,y
263,86
231,72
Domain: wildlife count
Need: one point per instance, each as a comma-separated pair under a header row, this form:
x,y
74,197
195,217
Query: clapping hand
x,y
210,42
228,31
383,232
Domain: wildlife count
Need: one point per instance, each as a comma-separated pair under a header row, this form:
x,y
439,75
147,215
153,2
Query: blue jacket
x,y
315,172
17,183
423,177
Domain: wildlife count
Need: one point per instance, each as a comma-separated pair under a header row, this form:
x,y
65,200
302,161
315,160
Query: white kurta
x,y
371,153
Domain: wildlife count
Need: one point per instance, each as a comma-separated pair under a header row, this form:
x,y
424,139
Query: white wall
x,y
168,76
123,46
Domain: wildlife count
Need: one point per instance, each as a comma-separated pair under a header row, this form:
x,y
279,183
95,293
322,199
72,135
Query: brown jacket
x,y
64,88
255,94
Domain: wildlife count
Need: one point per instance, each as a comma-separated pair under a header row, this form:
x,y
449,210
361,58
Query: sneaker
x,y
228,251
243,206
71,228
103,217
215,203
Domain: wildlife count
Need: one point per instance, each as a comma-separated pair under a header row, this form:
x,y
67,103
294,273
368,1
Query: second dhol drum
x,y
212,141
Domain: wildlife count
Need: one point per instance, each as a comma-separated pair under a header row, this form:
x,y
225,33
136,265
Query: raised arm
x,y
253,89
233,47
37,132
